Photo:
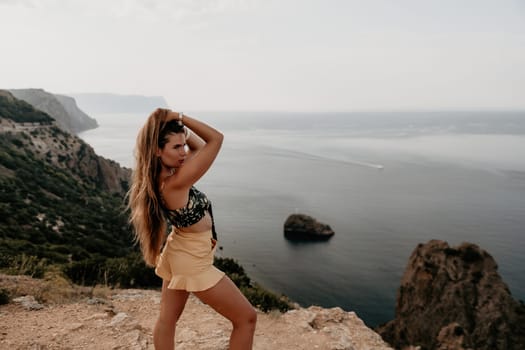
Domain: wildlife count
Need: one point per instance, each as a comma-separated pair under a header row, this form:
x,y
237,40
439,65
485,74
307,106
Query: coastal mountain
x,y
46,142
61,108
20,111
453,298
61,204
113,103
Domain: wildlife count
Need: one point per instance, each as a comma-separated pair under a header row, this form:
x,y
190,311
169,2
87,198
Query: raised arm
x,y
196,165
194,142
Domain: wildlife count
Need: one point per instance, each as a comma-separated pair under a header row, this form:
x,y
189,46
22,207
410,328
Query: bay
x,y
384,182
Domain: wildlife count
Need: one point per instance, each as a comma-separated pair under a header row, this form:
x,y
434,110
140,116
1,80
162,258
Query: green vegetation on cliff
x,y
21,112
47,214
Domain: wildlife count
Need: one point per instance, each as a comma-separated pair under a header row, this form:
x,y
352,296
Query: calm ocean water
x,y
383,181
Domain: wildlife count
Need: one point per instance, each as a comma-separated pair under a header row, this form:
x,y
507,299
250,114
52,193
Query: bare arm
x,y
196,165
194,142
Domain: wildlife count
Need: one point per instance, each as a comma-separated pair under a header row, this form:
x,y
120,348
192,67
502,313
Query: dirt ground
x,y
124,319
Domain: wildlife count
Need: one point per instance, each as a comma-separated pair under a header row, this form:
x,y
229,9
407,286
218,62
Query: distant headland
x,y
114,103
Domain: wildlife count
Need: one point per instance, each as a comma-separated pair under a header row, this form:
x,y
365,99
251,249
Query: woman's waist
x,y
198,244
204,223
183,220
186,232
198,229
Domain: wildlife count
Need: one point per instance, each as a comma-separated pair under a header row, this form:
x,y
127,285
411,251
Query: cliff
x,y
112,103
66,151
20,111
454,298
60,203
80,121
61,108
101,318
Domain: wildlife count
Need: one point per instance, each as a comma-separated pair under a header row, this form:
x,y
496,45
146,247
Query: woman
x,y
174,151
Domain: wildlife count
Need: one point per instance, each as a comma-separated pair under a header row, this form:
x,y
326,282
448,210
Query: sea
x,y
383,181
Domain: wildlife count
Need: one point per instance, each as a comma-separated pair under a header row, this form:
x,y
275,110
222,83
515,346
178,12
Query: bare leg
x,y
172,304
227,299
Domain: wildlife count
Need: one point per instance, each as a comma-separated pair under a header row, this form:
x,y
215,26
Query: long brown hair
x,y
146,214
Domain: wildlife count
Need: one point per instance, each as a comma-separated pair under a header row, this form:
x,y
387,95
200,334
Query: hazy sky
x,y
290,55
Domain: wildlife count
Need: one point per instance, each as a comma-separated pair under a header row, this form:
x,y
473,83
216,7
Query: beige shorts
x,y
186,261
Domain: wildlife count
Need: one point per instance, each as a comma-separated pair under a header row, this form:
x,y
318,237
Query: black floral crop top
x,y
196,208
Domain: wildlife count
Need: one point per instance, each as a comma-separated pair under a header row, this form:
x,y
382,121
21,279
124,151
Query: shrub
x,y
26,265
265,300
257,295
124,272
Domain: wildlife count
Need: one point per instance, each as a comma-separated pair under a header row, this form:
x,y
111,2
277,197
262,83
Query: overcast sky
x,y
287,55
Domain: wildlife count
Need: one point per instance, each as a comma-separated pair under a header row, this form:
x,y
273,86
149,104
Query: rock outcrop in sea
x,y
454,298
306,228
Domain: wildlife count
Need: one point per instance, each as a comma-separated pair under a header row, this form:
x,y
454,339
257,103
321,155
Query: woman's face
x,y
173,154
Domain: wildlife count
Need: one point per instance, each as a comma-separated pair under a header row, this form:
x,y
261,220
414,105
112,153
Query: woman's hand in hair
x,y
170,115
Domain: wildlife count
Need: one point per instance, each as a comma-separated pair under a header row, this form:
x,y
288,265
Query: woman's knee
x,y
253,318
247,319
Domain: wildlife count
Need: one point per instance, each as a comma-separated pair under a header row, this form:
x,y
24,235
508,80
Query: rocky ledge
x,y
453,298
124,319
305,228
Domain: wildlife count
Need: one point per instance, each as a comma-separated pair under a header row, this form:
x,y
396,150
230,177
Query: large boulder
x,y
304,227
453,298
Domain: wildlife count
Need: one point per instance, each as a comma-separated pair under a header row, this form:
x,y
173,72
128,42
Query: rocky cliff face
x,y
64,150
454,298
62,108
80,121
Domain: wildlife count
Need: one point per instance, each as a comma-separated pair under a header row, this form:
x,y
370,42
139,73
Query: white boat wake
x,y
313,156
